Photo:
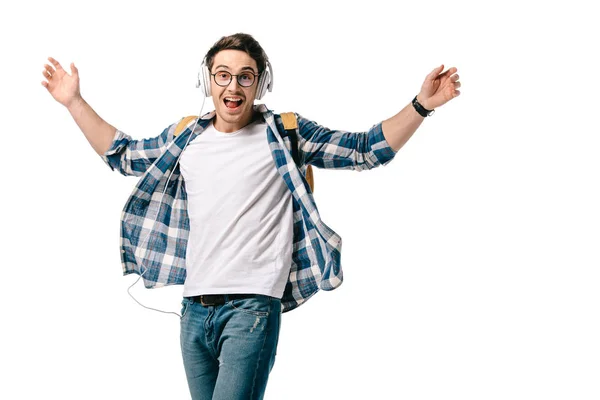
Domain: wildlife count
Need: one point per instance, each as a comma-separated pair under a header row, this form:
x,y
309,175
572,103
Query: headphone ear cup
x,y
263,83
259,86
206,81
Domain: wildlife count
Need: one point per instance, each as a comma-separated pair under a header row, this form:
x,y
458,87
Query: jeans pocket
x,y
259,306
185,304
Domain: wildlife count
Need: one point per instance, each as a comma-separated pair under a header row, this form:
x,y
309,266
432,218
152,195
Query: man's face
x,y
233,103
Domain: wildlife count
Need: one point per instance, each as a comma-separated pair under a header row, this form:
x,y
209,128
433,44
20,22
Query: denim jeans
x,y
229,350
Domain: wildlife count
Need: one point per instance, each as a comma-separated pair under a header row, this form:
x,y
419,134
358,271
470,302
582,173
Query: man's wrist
x,y
421,109
76,104
423,102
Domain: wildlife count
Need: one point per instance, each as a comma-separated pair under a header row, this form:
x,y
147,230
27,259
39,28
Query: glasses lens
x,y
222,78
245,79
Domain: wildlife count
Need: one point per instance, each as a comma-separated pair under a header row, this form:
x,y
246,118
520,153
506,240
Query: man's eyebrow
x,y
244,68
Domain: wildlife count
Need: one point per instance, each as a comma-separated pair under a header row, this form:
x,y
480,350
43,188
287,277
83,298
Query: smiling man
x,y
239,228
232,86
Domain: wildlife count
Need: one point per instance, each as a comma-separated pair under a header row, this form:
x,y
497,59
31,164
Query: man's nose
x,y
233,85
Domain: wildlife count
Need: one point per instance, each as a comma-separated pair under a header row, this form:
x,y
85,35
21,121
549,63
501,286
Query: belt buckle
x,y
213,300
202,301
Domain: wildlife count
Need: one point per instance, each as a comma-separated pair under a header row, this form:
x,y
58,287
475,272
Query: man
x,y
236,224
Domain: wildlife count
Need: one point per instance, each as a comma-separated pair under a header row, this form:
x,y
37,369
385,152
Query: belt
x,y
218,299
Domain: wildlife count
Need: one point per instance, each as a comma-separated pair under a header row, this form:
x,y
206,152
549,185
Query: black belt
x,y
218,299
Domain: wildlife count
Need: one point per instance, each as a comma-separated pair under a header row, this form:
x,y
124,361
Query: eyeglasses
x,y
245,79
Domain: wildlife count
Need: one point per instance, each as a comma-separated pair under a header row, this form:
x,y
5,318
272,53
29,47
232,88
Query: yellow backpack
x,y
290,124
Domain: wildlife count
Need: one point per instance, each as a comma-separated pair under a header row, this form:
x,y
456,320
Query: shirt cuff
x,y
379,145
120,139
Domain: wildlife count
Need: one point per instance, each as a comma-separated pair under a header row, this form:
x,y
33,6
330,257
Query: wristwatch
x,y
420,109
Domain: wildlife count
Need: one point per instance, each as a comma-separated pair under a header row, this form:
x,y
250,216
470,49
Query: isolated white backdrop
x,y
471,261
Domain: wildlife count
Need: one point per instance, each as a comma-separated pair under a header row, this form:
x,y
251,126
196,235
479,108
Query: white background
x,y
471,261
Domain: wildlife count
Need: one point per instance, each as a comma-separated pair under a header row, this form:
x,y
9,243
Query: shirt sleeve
x,y
133,157
335,149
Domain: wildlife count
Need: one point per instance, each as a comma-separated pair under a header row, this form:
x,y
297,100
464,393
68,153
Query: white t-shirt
x,y
240,211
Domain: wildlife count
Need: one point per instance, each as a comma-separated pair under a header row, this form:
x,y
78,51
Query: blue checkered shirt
x,y
155,226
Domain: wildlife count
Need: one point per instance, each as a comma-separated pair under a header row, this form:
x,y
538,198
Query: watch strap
x,y
423,112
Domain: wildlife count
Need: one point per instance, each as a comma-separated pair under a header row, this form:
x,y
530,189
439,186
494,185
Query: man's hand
x,y
62,86
439,88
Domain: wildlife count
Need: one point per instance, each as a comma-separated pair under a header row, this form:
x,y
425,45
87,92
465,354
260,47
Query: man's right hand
x,y
62,86
65,89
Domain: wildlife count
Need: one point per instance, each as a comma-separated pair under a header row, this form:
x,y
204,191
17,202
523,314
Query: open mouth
x,y
232,102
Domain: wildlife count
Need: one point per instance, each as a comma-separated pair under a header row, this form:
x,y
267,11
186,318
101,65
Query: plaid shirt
x,y
155,227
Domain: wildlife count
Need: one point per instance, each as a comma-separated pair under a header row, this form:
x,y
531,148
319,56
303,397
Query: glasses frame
x,y
236,77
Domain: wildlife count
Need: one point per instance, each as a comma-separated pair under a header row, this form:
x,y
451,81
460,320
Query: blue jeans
x,y
229,350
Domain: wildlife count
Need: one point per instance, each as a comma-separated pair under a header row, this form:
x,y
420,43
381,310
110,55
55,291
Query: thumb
x,y
436,71
74,70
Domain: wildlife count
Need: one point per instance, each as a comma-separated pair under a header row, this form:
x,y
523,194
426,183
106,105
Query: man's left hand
x,y
439,88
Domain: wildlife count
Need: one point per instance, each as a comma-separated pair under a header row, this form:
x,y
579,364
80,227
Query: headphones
x,y
265,80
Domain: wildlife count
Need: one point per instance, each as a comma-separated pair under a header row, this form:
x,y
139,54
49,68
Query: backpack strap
x,y
290,124
182,124
289,120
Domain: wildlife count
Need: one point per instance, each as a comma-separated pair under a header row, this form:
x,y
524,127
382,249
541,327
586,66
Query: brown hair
x,y
239,41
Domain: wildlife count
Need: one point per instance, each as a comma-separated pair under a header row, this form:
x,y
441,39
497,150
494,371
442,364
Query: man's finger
x,y
449,72
55,63
436,71
446,73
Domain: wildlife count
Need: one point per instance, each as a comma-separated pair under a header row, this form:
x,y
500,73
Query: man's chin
x,y
230,117
235,117
234,114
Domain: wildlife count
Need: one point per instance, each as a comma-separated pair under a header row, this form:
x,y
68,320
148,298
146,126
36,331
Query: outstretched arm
x,y
336,149
438,89
117,149
65,89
